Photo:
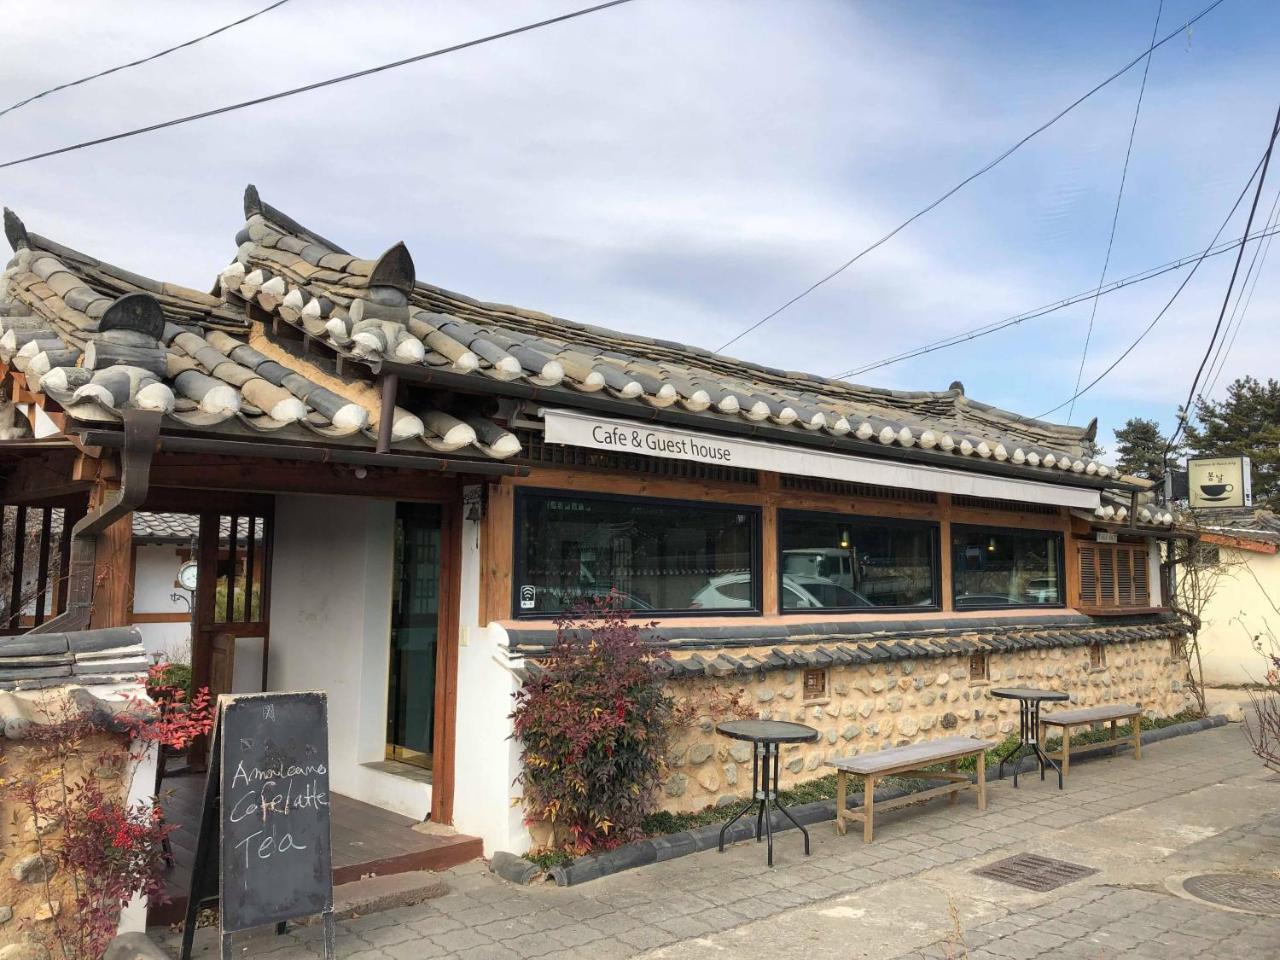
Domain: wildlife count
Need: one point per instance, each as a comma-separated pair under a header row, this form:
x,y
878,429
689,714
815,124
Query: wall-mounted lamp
x,y
844,539
991,545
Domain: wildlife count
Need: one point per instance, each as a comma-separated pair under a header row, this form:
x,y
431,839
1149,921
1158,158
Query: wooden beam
x,y
206,472
47,478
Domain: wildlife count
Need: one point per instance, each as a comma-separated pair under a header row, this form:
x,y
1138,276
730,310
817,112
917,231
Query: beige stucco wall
x,y
873,706
1238,612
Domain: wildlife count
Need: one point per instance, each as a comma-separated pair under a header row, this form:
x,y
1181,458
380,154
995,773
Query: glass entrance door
x,y
415,628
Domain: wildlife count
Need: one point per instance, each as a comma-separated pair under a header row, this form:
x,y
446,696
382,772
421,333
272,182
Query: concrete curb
x,y
707,837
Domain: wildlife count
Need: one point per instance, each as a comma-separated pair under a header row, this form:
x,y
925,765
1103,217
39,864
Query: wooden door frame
x,y
444,730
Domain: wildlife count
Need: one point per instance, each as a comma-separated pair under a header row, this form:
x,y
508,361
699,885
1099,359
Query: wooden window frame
x,y
858,520
1059,541
524,495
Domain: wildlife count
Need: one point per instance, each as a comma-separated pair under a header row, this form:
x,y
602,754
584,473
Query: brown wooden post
x,y
444,734
112,590
203,617
945,589
497,553
42,570
19,555
770,485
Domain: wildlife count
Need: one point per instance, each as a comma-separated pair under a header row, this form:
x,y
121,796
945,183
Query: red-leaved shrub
x,y
594,722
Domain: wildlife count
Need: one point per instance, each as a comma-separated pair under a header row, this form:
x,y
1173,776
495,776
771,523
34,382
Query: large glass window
x,y
993,567
850,563
660,555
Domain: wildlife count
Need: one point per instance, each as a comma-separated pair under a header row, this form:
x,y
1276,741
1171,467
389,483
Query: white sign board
x,y
628,436
1220,482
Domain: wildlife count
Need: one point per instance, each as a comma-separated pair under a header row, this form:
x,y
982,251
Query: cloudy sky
x,y
680,169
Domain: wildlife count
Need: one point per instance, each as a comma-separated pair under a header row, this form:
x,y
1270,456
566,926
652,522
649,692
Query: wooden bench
x,y
1113,713
900,761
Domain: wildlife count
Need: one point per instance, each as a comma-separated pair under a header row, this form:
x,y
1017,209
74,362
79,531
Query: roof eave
x,y
463,383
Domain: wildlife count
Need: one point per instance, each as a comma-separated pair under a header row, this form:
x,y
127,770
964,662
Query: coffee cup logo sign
x,y
1219,482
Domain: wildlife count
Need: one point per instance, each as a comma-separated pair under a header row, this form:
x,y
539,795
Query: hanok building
x,y
431,480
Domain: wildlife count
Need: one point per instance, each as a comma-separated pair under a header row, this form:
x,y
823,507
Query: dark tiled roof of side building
x,y
32,661
1247,523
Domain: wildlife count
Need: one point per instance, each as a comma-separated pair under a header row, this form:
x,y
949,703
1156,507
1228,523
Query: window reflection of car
x,y
1038,595
984,600
735,591
556,601
1042,590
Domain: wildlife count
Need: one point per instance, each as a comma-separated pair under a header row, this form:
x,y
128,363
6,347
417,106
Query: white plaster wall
x,y
330,631
488,759
1239,611
153,583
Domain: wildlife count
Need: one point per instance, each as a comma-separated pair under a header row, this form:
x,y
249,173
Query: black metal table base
x,y
764,791
1028,739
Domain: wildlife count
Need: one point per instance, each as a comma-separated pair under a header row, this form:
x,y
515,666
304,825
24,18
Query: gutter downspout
x,y
390,384
141,430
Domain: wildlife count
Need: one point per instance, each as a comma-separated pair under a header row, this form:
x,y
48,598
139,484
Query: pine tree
x,y
1140,448
1245,424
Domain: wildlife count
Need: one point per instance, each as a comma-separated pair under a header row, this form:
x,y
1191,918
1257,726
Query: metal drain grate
x,y
1251,892
1035,873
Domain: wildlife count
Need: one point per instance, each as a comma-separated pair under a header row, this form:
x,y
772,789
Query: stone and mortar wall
x,y
33,889
878,705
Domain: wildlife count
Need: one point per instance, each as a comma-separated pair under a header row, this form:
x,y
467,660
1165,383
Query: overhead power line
x,y
1256,266
976,333
135,63
1169,303
967,180
320,84
1226,300
1115,217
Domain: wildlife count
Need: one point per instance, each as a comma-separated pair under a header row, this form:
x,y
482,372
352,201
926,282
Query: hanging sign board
x,y
1219,482
628,436
264,852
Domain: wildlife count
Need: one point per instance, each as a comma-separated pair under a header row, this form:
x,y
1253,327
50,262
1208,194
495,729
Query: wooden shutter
x,y
1124,578
1114,576
1141,580
1088,575
1106,576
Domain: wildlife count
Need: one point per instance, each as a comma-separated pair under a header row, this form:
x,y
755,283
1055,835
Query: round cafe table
x,y
1029,700
766,736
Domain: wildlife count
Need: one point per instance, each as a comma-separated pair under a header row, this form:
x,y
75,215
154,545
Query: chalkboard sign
x,y
264,850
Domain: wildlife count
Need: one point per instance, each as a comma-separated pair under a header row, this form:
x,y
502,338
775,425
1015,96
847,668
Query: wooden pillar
x,y
203,617
771,486
945,588
497,554
112,587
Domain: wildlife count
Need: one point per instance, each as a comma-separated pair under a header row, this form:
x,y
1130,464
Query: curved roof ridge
x,y
957,408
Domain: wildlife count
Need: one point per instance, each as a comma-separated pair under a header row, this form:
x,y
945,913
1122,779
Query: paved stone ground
x,y
1200,803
